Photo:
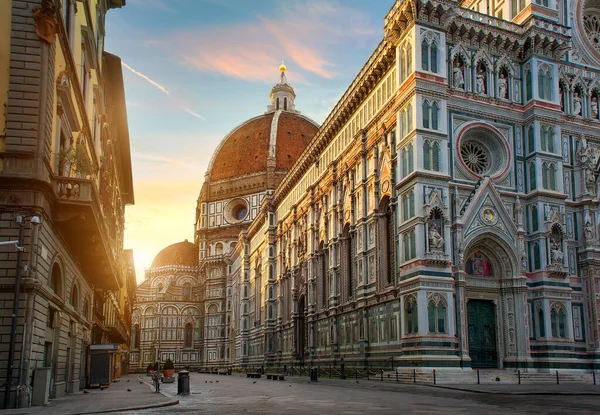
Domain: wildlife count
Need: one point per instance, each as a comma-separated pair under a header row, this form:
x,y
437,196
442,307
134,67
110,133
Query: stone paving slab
x,y
115,398
541,389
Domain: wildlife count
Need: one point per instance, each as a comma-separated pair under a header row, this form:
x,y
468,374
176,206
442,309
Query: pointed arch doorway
x,y
490,320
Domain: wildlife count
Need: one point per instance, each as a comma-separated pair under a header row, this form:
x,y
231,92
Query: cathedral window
x,y
532,176
407,160
429,56
541,321
534,219
549,176
411,315
558,321
436,313
347,258
386,243
530,139
277,105
529,84
547,139
545,82
431,155
430,115
535,253
408,205
408,239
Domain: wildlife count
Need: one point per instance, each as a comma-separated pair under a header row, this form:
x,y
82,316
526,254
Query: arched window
x,y
429,56
409,119
435,116
545,82
411,166
347,261
534,218
56,280
436,313
86,307
277,105
558,321
188,336
324,275
135,334
425,55
541,322
408,205
187,291
427,155
271,293
435,156
536,256
270,311
532,176
219,248
528,84
285,103
544,138
552,176
408,239
75,298
530,139
411,315
426,114
408,60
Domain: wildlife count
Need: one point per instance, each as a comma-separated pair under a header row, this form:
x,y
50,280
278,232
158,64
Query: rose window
x,y
591,25
475,157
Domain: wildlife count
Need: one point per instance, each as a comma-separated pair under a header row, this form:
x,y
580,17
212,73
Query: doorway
x,y
481,317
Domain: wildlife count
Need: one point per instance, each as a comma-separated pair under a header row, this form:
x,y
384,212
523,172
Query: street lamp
x,y
35,221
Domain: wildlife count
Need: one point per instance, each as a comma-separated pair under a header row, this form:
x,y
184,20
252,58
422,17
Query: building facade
x,y
65,160
167,318
446,212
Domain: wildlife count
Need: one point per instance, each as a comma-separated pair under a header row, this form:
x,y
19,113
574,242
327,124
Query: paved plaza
x,y
213,394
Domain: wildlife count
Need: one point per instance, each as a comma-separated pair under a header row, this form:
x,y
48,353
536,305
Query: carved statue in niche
x,y
588,158
594,107
502,85
556,252
517,92
588,229
481,78
523,260
436,241
576,103
458,76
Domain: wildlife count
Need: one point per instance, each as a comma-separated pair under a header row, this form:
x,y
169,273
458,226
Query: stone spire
x,y
282,94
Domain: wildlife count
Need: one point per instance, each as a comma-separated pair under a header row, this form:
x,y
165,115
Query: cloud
x,y
141,75
303,34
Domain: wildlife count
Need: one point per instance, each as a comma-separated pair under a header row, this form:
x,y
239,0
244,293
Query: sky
x,y
196,69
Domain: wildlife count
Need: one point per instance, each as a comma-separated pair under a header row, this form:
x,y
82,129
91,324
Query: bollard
x,y
557,381
397,377
434,376
356,374
382,375
414,375
519,374
478,381
594,376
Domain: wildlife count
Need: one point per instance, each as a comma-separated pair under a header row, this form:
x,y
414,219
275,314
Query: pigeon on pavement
x,y
128,390
84,391
254,382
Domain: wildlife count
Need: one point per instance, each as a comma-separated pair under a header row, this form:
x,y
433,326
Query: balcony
x,y
117,332
80,219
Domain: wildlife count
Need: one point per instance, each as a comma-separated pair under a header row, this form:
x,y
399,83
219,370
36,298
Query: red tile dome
x,y
280,135
181,253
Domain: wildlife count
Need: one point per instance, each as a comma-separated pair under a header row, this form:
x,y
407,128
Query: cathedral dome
x,y
181,253
279,136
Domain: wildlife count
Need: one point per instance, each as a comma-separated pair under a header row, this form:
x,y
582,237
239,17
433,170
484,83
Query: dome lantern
x,y
282,94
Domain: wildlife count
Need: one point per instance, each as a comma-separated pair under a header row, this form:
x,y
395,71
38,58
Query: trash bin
x,y
313,374
183,383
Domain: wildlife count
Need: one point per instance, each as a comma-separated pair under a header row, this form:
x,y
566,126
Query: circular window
x,y
236,211
587,25
483,152
475,156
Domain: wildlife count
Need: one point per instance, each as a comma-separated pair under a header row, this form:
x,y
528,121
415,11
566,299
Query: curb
x,y
515,393
133,408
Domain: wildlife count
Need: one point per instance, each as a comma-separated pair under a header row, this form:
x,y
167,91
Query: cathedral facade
x,y
445,214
